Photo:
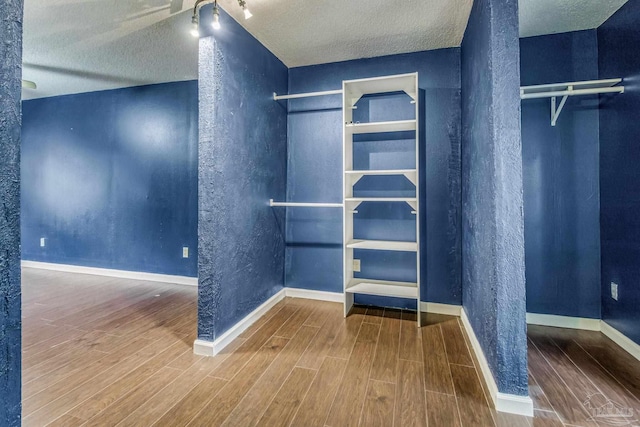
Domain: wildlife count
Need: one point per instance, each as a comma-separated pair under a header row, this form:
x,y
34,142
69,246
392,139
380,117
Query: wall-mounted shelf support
x,y
304,205
565,90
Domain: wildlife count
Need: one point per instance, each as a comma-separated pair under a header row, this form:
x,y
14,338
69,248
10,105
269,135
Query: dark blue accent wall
x,y
110,179
561,179
314,236
619,57
493,273
242,164
10,300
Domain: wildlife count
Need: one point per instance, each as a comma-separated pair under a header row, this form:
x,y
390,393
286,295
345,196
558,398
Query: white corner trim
x,y
122,274
437,308
208,348
314,295
510,403
619,338
563,321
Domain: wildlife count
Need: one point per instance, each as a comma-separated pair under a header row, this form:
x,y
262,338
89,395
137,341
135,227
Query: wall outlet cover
x,y
185,252
356,265
42,242
614,291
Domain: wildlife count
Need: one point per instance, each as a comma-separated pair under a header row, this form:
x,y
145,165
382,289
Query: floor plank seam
x,y
366,391
453,385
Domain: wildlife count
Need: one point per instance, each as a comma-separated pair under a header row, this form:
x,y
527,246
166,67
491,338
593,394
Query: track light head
x,y
194,26
245,9
216,17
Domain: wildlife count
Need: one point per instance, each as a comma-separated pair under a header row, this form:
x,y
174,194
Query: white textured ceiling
x,y
73,46
538,17
306,32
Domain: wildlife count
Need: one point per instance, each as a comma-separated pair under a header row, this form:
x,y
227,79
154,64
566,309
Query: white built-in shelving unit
x,y
352,92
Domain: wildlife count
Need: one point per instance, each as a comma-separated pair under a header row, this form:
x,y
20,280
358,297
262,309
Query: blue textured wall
x,y
10,322
110,178
314,236
242,164
619,56
561,179
493,275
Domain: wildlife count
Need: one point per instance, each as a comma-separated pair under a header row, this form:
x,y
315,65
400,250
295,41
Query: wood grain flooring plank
x,y
66,421
472,404
437,375
286,402
322,311
315,407
410,337
190,405
379,404
442,410
256,401
162,401
510,420
105,397
50,387
220,408
562,399
457,350
234,363
95,383
546,419
374,315
385,362
342,345
540,400
292,324
351,394
136,397
410,406
320,347
262,320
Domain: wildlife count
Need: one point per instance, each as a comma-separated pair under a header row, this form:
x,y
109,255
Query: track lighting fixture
x,y
216,14
245,9
194,26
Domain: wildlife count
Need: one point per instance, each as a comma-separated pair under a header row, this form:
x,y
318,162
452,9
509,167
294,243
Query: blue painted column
x,y
493,283
10,323
242,164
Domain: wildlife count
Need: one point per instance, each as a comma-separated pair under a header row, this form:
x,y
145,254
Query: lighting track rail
x,y
195,18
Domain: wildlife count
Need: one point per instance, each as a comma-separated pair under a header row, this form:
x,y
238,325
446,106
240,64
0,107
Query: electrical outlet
x,y
42,242
185,252
614,291
356,265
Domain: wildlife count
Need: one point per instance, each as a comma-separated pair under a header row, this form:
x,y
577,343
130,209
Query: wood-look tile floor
x,y
106,352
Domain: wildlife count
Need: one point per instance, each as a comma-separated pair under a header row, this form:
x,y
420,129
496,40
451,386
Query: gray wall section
x,y
493,281
242,164
10,314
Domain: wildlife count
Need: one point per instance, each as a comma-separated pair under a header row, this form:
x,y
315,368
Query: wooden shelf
x,y
383,245
379,127
383,288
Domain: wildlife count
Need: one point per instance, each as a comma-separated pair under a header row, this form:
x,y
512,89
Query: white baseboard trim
x,y
563,321
619,338
314,295
208,348
510,403
437,308
121,274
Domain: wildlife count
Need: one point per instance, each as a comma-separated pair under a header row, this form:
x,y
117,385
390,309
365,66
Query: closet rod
x,y
594,91
277,97
304,205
